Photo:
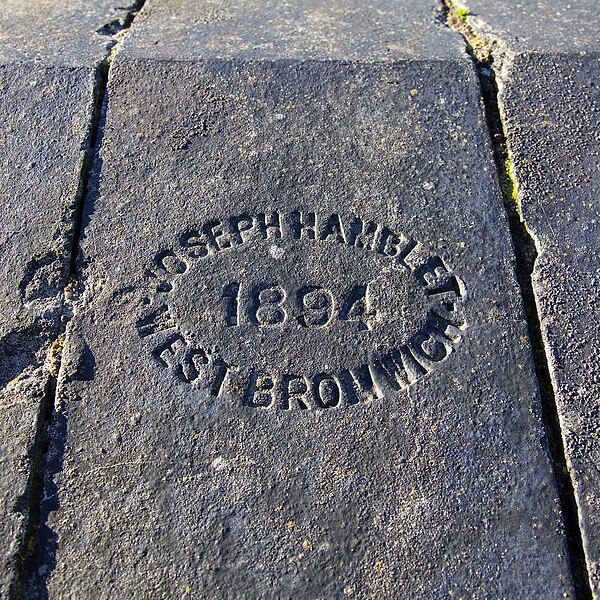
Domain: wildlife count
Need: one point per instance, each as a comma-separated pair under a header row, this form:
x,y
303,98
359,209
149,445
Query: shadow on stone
x,y
19,350
44,558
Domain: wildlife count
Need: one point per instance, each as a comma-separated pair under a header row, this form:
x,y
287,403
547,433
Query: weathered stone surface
x,y
555,140
554,135
49,54
550,101
59,32
215,437
540,26
303,30
19,406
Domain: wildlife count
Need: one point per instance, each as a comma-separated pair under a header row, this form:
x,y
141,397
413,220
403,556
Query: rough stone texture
x,y
304,30
536,25
550,102
19,405
185,459
59,32
49,55
554,135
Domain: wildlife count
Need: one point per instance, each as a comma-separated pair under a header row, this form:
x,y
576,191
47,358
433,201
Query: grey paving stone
x,y
540,26
59,32
49,54
19,406
299,366
304,30
549,80
554,135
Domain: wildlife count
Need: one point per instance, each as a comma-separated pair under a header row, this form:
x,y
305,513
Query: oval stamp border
x,y
391,371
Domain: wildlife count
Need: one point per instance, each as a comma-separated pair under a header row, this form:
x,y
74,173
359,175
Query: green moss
x,y
55,355
480,47
507,183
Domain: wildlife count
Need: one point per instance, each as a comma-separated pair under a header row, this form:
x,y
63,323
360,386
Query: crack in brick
x,y
31,501
483,51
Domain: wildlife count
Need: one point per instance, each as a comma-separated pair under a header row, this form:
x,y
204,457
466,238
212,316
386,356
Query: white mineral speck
x,y
276,252
219,463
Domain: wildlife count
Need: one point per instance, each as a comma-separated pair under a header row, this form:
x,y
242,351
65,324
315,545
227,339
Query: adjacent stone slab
x,y
554,135
541,26
49,55
20,403
549,82
59,32
303,30
299,366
